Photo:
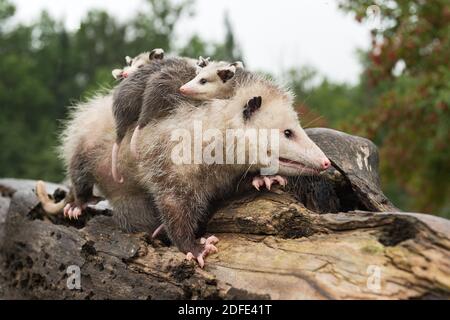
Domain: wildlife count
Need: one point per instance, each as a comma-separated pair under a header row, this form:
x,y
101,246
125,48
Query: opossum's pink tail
x,y
133,142
114,156
157,231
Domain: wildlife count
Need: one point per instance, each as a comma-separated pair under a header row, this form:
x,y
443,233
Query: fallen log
x,y
332,237
271,247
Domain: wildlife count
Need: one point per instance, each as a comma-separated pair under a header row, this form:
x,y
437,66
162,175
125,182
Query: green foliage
x,y
410,117
401,102
228,50
45,68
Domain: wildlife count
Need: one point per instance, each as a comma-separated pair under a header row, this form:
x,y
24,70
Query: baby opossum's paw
x,y
267,181
206,247
72,211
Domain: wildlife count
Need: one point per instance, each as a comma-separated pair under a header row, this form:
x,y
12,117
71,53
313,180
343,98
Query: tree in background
x,y
401,102
46,68
227,50
407,67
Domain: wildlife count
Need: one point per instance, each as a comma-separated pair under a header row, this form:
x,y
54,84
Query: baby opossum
x,y
159,191
153,92
212,81
133,64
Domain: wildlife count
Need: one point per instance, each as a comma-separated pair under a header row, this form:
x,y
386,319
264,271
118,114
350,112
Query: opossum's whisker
x,y
312,121
244,175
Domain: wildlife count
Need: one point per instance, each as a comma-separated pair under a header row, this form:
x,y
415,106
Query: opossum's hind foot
x,y
209,240
208,248
133,142
115,154
267,181
72,211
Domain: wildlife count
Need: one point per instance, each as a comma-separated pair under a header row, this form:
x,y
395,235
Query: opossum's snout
x,y
326,163
299,153
187,90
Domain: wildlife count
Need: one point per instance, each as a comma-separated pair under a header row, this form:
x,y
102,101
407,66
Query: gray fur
x,y
150,93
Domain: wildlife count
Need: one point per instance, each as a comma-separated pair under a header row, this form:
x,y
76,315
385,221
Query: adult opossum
x,y
159,86
160,191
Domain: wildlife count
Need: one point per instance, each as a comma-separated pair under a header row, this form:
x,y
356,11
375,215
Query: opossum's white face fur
x,y
212,81
266,108
133,64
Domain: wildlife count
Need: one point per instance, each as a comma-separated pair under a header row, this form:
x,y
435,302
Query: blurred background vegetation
x,y
401,101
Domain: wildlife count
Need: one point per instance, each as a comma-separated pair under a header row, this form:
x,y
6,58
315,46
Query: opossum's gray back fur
x,y
149,92
162,94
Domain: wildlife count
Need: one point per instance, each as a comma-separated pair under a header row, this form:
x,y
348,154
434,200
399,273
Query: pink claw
x,y
258,182
211,240
281,180
72,212
208,249
66,210
76,213
189,256
267,181
255,183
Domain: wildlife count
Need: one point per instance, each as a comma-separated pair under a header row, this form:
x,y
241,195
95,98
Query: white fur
x,y
214,88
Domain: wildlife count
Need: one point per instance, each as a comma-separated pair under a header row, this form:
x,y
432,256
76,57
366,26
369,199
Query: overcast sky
x,y
274,35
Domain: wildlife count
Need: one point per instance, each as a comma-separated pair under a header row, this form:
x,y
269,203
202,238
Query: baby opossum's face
x,y
133,64
212,81
296,153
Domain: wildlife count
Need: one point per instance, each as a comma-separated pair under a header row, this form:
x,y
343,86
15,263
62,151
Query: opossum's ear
x,y
129,60
237,64
252,105
227,73
202,62
156,54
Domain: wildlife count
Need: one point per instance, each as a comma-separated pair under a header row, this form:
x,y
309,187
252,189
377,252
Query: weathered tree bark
x,y
287,244
271,247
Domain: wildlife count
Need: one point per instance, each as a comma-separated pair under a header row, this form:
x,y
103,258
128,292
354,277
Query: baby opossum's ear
x,y
202,62
238,64
252,105
129,60
226,73
156,54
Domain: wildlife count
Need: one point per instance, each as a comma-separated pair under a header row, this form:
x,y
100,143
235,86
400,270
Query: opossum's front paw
x,y
72,211
206,247
267,181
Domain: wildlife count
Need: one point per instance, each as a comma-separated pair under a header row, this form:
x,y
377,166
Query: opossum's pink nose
x,y
184,90
125,74
325,164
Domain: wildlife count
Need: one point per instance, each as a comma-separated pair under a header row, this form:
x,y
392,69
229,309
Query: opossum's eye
x,y
203,81
140,66
288,133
